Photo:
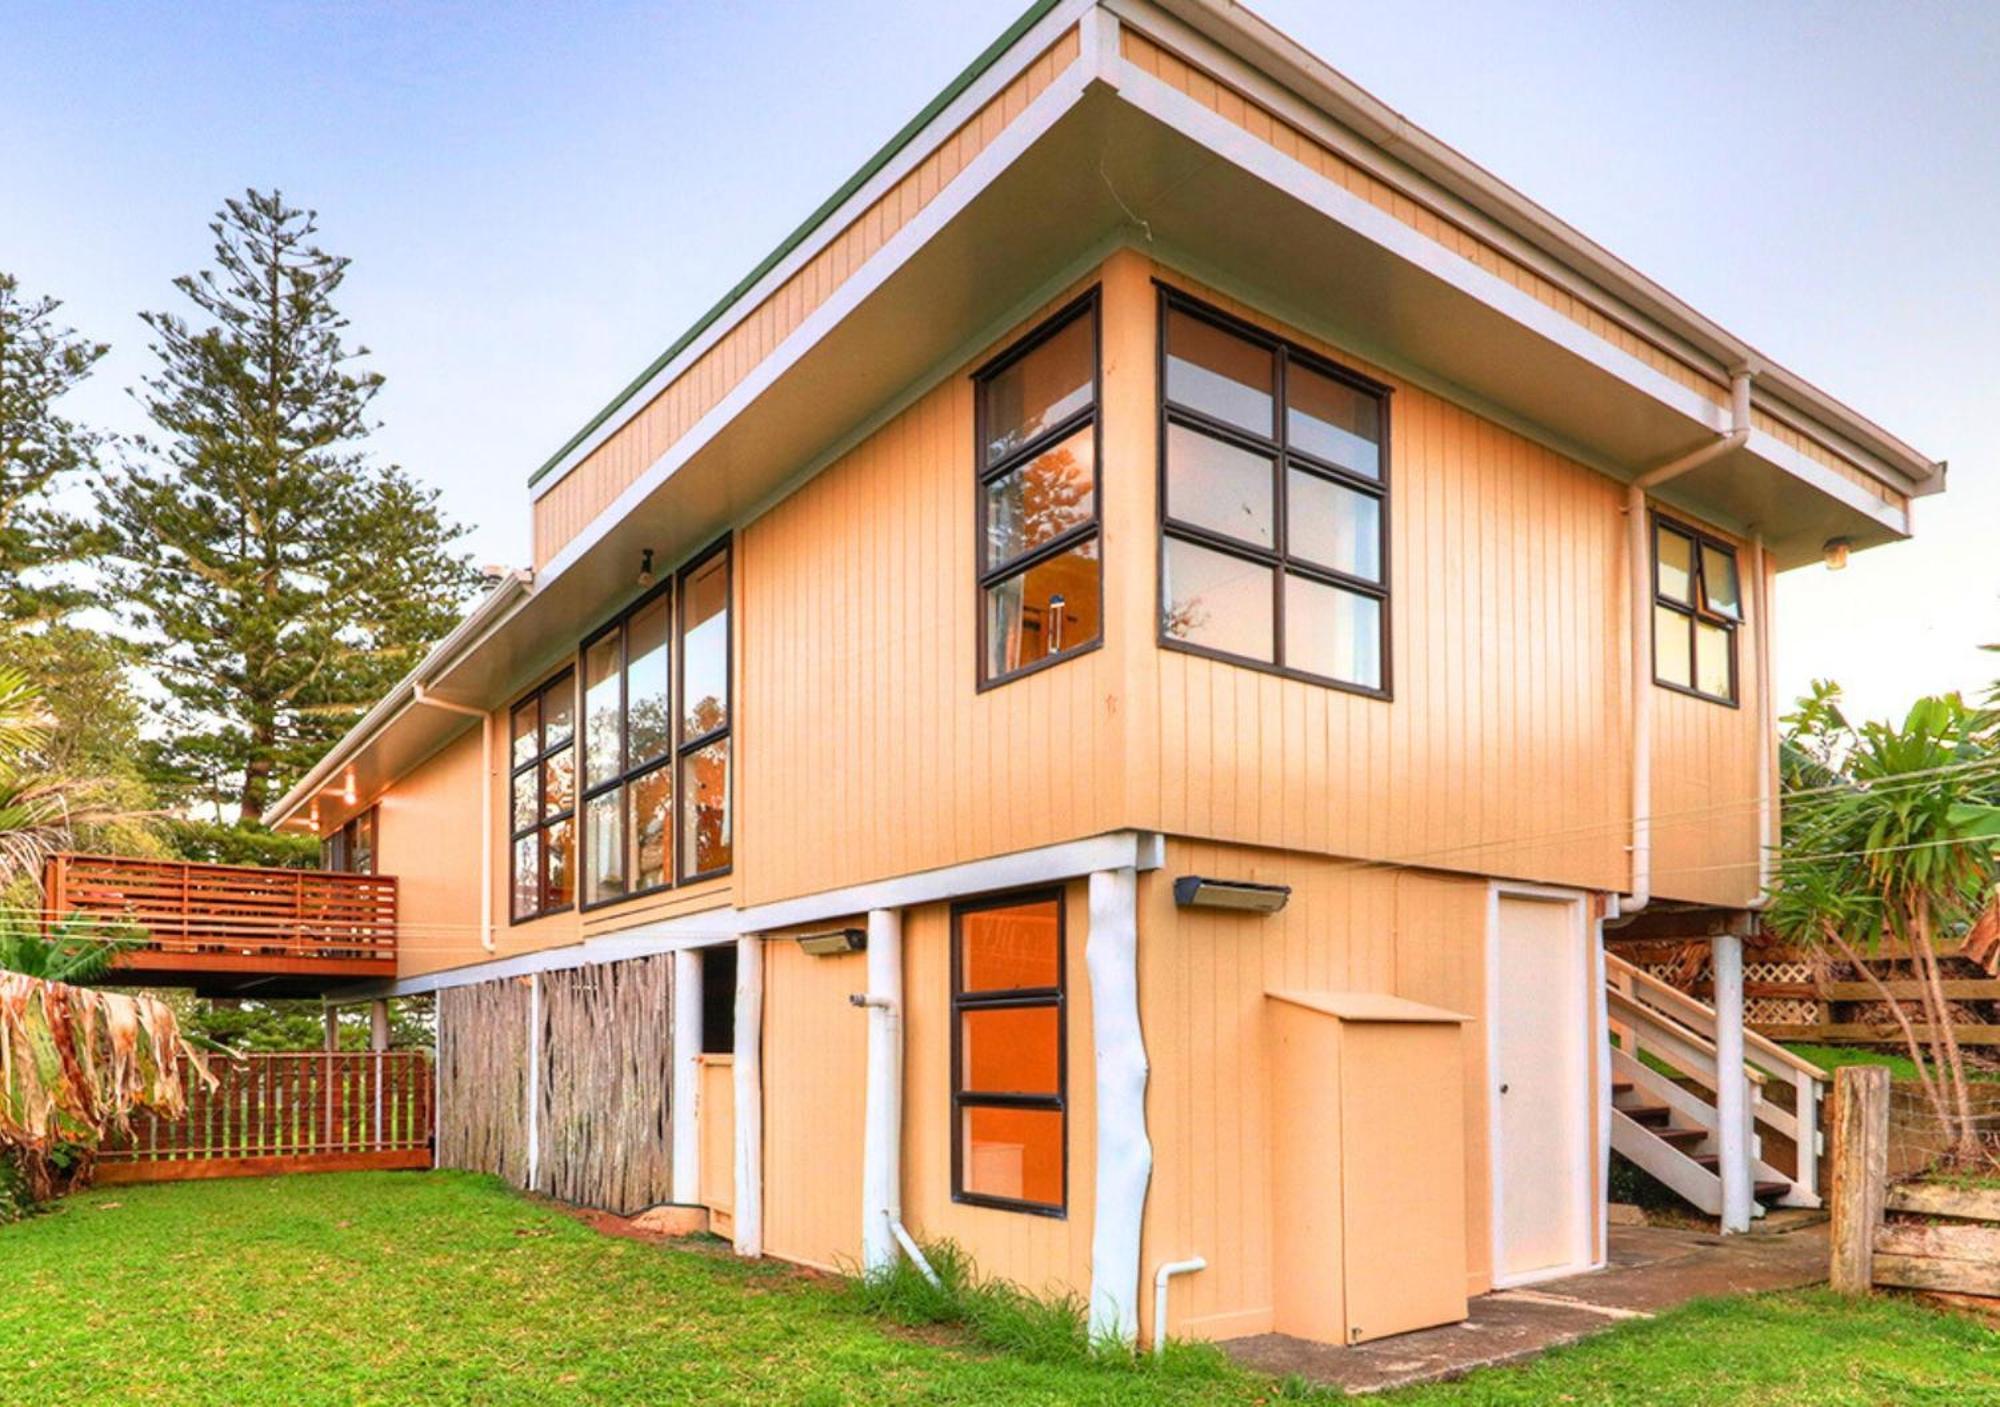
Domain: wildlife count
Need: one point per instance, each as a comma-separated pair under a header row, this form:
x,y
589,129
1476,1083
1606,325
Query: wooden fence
x,y
295,1112
194,917
1939,1239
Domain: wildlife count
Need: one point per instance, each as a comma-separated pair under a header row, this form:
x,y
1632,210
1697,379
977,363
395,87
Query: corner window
x,y
1697,609
352,847
707,846
542,799
1040,579
1010,1135
1274,504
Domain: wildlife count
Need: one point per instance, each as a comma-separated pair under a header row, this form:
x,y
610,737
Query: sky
x,y
539,198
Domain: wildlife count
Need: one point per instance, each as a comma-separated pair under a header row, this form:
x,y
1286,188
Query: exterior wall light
x,y
834,943
1835,553
1194,892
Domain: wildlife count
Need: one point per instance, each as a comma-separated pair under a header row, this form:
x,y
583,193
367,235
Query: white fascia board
x,y
1039,116
1770,448
982,91
1046,864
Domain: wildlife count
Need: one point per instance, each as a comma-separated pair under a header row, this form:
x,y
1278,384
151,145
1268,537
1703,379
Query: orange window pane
x,y
1049,608
1011,1050
705,838
1009,949
1042,499
1013,1153
560,888
527,732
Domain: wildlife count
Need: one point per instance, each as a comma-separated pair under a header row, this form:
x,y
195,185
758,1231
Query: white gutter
x,y
1640,564
505,595
1160,1277
421,695
882,1126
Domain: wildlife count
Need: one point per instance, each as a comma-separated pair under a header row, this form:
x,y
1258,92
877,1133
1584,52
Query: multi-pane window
x,y
352,847
1274,504
628,774
1009,1072
1040,583
1697,609
542,799
656,733
706,845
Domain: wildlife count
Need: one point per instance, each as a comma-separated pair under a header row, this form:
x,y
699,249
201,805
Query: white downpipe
x,y
1640,589
684,1114
1767,723
1601,1043
534,1078
749,1074
1732,1105
429,700
1124,1153
1160,1278
882,1139
916,1255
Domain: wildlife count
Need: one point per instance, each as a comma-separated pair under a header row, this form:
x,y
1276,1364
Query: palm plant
x,y
1895,852
73,949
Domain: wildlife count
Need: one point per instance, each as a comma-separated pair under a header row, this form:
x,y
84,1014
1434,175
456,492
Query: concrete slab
x,y
1649,1269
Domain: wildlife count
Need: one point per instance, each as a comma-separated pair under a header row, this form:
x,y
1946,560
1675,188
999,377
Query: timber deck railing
x,y
190,917
305,1111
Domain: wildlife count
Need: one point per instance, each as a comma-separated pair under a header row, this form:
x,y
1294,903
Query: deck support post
x,y
684,1088
332,1019
748,1213
378,1024
882,1145
1124,1152
1732,1103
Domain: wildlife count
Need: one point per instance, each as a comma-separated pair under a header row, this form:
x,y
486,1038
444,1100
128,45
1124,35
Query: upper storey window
x,y
543,799
1274,504
1697,609
1040,580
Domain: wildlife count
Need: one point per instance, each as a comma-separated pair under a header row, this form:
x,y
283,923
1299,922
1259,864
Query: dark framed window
x,y
1010,1053
1697,610
542,800
707,845
1274,503
1041,591
352,847
627,757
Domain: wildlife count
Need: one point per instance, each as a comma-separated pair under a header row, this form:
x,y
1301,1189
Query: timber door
x,y
1539,1071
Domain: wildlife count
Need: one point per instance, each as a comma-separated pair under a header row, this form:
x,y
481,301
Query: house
x,y
1100,705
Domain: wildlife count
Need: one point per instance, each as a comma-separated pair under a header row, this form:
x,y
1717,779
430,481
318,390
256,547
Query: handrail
x,y
1640,1013
1670,996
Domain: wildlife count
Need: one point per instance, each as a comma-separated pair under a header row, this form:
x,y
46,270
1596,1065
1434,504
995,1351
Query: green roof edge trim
x,y
987,58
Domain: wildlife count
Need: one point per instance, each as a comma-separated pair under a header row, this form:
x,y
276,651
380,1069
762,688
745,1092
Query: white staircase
x,y
1663,1042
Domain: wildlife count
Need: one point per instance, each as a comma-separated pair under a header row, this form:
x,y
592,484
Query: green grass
x,y
442,1288
1900,1067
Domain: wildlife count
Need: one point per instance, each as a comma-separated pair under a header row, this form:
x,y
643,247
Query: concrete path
x,y
1651,1269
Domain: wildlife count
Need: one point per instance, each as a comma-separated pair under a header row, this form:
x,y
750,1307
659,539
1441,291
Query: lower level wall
x,y
482,1073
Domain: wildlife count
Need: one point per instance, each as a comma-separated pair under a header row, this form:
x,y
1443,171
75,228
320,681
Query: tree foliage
x,y
40,362
283,579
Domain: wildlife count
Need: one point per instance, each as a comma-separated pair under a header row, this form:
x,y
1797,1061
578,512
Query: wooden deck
x,y
225,927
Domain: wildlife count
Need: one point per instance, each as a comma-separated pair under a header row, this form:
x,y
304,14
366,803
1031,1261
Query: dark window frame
x,y
1034,998
340,843
987,575
1696,609
626,773
1279,558
566,677
683,746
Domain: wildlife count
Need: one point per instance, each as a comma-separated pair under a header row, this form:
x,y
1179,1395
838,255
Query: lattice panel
x,y
1782,1011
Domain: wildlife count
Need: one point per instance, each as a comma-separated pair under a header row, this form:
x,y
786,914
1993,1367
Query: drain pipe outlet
x,y
1160,1279
1640,563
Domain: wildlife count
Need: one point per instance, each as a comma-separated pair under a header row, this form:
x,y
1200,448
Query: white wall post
x,y
534,1119
684,1086
749,1071
1732,1105
882,1145
1124,1153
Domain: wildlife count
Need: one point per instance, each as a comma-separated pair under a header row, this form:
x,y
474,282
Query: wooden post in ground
x,y
1860,1172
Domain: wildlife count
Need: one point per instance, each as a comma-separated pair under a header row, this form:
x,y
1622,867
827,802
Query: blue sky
x,y
539,197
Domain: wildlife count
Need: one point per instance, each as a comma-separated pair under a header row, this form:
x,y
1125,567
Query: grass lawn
x,y
441,1288
1899,1065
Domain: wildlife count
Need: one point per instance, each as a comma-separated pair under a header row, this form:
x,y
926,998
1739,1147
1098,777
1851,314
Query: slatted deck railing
x,y
233,918
307,1111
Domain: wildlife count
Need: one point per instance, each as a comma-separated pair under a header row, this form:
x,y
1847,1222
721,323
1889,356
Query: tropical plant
x,y
1896,852
74,1065
75,948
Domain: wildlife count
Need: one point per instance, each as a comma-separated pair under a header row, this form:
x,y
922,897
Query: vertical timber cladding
x,y
607,1055
482,1117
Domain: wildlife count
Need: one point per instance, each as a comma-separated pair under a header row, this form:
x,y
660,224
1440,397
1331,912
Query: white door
x,y
1541,1013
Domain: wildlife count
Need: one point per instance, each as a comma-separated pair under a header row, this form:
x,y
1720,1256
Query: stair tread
x,y
1647,1113
1681,1135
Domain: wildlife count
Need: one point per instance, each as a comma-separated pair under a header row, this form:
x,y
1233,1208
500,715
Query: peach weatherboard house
x,y
1102,704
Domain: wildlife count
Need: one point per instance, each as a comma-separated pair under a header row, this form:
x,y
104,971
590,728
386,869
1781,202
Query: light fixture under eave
x,y
646,567
347,790
1195,892
833,944
1834,553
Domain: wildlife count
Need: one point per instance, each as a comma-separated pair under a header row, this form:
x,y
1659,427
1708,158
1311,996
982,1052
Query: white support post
x,y
882,1140
378,1024
684,1111
1124,1152
749,1072
1732,1103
